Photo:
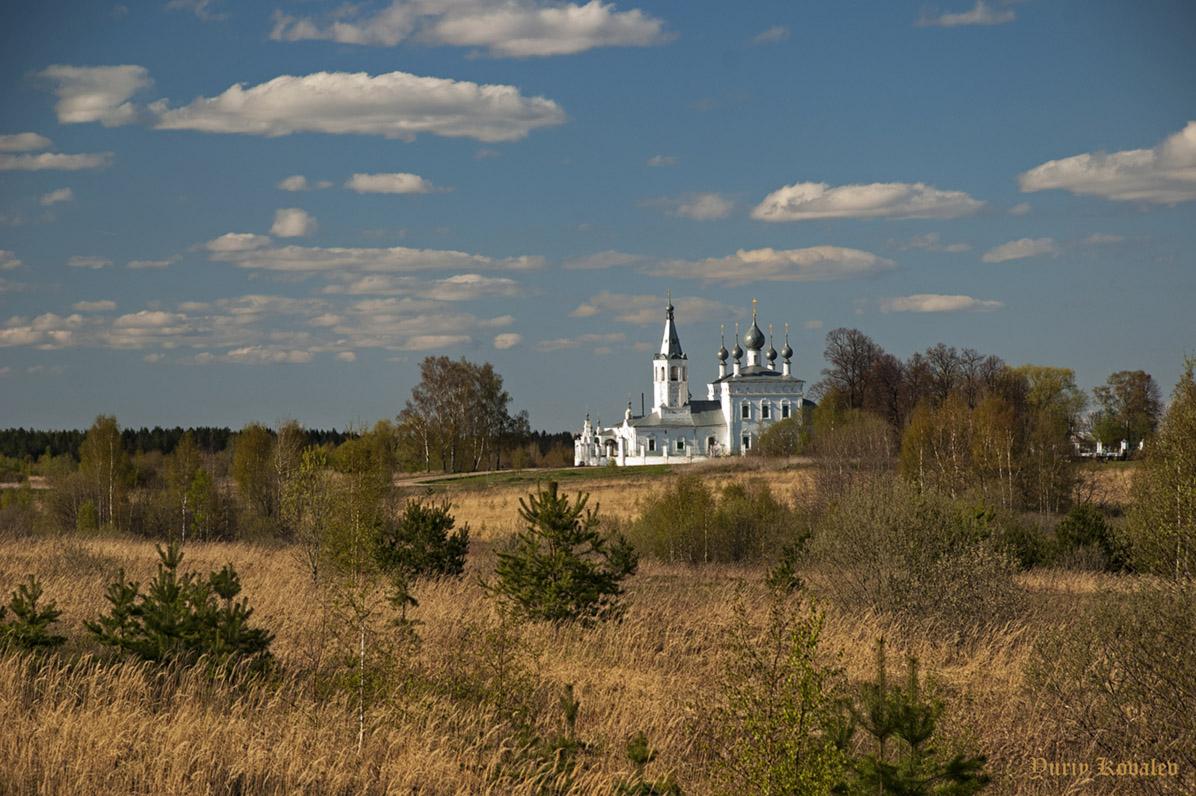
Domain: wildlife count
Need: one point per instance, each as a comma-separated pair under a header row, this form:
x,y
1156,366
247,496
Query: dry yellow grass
x,y
89,728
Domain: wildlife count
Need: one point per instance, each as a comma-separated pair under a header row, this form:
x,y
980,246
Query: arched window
x,y
765,410
681,444
785,410
673,373
651,443
745,411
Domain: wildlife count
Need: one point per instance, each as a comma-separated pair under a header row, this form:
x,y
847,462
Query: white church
x,y
740,404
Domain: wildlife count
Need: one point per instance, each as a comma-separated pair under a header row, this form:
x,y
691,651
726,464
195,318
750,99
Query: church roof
x,y
701,414
757,373
670,346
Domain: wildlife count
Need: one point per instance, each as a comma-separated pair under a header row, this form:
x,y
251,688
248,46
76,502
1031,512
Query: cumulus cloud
x,y
53,197
1021,249
806,201
507,340
514,29
929,242
55,161
661,160
94,306
266,355
1165,174
647,309
98,93
606,259
463,287
698,206
394,105
291,222
816,263
773,34
1020,209
389,183
94,263
200,8
249,251
300,183
346,356
169,261
48,331
24,142
9,260
981,14
576,342
933,302
237,242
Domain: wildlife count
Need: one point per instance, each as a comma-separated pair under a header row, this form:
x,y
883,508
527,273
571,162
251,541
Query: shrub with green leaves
x,y
1085,530
420,543
561,567
182,617
29,629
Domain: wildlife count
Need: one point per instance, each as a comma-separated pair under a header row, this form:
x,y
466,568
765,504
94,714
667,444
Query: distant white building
x,y
740,404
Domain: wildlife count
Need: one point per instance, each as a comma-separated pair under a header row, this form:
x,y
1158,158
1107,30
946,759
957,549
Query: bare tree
x,y
850,355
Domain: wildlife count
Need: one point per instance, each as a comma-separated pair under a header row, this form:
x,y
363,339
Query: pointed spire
x,y
670,345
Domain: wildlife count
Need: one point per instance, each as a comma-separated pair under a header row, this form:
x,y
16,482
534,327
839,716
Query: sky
x,y
217,212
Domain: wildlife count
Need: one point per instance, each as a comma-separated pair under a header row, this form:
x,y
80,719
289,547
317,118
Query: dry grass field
x,y
452,723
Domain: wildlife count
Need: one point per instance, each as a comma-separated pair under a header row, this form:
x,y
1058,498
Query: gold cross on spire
x,y
753,309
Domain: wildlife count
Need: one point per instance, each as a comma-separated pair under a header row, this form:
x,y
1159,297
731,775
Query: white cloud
x,y
805,201
169,261
773,34
201,9
606,259
1021,249
1100,238
394,105
699,207
662,160
266,355
647,309
291,222
1020,209
981,14
389,183
575,342
929,242
94,306
53,197
8,260
98,93
346,356
507,340
56,161
48,331
514,29
299,183
463,287
816,263
311,259
24,142
435,342
237,242
1165,174
933,302
79,261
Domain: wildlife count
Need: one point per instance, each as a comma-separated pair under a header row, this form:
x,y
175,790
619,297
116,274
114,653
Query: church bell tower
x,y
670,369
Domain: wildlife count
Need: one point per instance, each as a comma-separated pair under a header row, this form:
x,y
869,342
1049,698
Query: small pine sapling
x,y
29,628
562,568
640,755
902,720
420,544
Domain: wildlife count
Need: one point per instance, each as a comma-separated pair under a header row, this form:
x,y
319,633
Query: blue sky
x,y
213,212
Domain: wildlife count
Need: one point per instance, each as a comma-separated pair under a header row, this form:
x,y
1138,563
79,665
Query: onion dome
x,y
737,352
771,353
722,345
787,352
754,339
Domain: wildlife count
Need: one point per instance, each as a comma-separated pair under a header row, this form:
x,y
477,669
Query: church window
x,y
747,442
765,411
681,444
745,411
784,411
651,443
673,373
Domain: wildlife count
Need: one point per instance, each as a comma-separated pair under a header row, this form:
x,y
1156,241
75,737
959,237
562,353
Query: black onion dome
x,y
770,354
787,352
754,339
737,352
722,353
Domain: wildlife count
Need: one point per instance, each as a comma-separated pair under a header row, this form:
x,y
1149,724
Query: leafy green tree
x,y
777,729
561,567
786,437
29,628
253,468
105,467
1162,515
182,466
1131,404
420,544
